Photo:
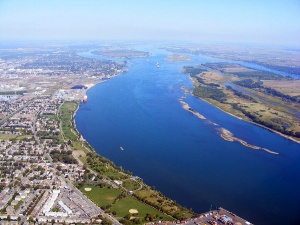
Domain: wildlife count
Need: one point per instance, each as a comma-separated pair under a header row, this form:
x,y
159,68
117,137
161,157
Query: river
x,y
183,156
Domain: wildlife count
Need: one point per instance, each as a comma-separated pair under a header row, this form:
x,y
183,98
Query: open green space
x,y
14,136
76,145
51,117
123,206
114,175
7,136
130,185
101,196
67,124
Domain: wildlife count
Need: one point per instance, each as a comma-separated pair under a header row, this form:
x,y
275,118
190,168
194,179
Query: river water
x,y
183,156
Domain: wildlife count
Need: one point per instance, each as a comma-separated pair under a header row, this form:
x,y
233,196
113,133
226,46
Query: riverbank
x,y
257,124
225,134
182,156
135,191
238,117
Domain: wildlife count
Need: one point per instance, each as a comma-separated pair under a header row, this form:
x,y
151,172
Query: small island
x,y
121,53
178,58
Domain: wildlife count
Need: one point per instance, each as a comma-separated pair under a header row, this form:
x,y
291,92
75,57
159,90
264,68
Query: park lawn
x,y
52,117
76,145
83,160
68,107
21,137
101,196
69,133
123,206
60,138
144,193
115,175
7,136
130,185
66,112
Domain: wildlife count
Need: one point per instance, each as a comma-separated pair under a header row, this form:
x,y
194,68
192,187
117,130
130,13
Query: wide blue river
x,y
183,156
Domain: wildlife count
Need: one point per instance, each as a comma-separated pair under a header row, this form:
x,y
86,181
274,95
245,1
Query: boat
x,y
85,99
157,65
122,148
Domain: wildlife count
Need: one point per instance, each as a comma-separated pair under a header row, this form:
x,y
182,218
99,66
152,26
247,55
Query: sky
x,y
255,21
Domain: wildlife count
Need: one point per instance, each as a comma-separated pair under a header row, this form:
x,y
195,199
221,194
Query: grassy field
x,y
287,87
52,117
7,136
123,206
130,185
65,114
12,136
101,196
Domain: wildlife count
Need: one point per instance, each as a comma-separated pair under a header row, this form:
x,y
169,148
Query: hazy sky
x,y
269,21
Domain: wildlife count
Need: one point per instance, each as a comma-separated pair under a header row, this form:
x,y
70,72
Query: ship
x,y
157,65
122,148
85,99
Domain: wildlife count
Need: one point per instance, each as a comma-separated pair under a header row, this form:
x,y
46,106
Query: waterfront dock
x,y
214,217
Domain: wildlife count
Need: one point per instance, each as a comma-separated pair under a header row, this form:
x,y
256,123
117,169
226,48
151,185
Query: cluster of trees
x,y
126,220
98,163
257,119
63,156
178,214
259,74
193,71
273,92
241,94
33,203
210,92
249,83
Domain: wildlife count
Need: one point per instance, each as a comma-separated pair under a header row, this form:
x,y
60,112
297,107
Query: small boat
x,y
122,148
157,65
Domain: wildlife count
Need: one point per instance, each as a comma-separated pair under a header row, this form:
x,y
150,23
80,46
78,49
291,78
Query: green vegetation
x,y
18,205
63,156
258,74
131,185
119,203
67,122
262,105
114,200
123,206
101,196
159,201
12,92
249,83
210,92
193,71
241,94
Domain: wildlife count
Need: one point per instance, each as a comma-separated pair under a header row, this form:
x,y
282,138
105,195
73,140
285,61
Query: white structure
x,y
49,203
65,208
56,214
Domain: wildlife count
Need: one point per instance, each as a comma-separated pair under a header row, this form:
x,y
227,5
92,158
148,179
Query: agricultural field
x,y
291,88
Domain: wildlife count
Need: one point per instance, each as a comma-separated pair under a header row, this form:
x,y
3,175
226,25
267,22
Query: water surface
x,y
184,157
